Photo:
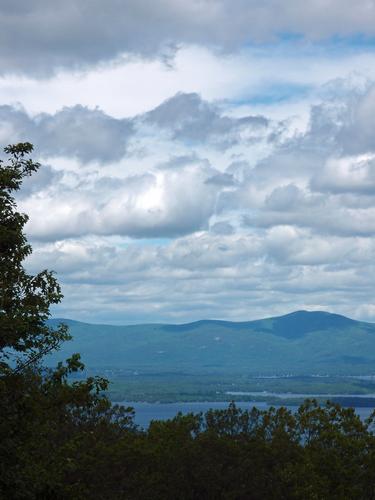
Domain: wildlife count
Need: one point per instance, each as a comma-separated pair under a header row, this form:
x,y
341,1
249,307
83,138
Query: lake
x,y
145,412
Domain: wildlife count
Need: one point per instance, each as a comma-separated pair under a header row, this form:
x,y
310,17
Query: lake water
x,y
145,412
291,395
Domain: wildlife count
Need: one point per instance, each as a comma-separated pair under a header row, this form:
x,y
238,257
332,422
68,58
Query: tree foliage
x,y
25,299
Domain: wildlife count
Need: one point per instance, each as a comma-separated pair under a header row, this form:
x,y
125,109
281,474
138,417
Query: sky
x,y
202,159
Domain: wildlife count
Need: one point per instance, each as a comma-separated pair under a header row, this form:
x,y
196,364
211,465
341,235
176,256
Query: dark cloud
x,y
92,135
39,36
342,124
356,135
223,227
39,181
191,119
89,135
286,198
221,180
322,216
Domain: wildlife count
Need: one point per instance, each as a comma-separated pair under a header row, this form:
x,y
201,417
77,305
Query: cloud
x,y
34,36
309,180
189,118
346,175
334,215
40,181
202,211
160,180
220,162
88,135
159,204
342,122
355,136
233,276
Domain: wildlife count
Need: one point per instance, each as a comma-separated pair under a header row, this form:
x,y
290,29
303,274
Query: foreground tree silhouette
x,y
25,300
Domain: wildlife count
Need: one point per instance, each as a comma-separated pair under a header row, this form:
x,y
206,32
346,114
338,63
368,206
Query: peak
x,y
310,315
305,312
298,323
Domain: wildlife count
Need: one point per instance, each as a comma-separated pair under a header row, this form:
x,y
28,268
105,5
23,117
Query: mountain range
x,y
302,342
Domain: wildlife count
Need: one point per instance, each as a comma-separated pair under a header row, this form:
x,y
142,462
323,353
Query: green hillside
x,y
300,343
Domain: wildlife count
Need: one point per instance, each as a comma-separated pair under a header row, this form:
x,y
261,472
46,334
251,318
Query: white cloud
x,y
266,76
346,175
196,162
203,275
223,229
163,203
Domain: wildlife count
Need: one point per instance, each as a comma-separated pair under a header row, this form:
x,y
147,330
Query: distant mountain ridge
x,y
302,341
292,325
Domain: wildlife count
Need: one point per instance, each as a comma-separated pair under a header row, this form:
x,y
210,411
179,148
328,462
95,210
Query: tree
x,y
24,299
49,425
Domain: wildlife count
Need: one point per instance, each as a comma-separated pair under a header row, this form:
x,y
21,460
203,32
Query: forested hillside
x,y
301,342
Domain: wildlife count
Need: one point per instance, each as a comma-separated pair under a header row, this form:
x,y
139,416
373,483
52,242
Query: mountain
x,y
302,342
